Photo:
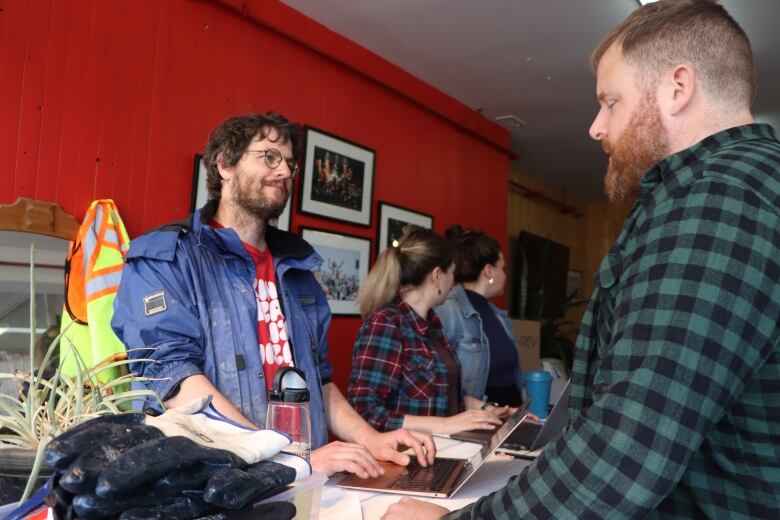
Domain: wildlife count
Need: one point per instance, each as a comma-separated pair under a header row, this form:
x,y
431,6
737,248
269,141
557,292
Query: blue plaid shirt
x,y
397,368
675,397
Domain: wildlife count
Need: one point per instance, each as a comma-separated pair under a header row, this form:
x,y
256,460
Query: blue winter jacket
x,y
186,291
463,328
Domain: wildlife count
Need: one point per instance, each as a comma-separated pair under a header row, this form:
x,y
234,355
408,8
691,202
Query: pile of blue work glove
x,y
186,463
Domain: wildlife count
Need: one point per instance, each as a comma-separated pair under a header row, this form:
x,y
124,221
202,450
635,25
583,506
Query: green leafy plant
x,y
48,406
556,334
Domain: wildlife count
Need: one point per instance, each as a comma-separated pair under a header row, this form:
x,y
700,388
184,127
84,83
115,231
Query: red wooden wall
x,y
110,98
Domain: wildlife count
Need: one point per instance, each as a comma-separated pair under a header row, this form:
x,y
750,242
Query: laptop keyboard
x,y
523,436
431,478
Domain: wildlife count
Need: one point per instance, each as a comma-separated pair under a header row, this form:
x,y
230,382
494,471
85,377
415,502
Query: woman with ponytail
x,y
404,373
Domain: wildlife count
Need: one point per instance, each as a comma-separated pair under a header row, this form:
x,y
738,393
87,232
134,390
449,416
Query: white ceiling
x,y
527,58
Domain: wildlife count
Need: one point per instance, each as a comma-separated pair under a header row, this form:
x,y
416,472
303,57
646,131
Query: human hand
x,y
470,420
411,509
533,419
389,445
345,456
502,412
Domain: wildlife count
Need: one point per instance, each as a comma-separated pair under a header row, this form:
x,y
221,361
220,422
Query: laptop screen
x,y
498,437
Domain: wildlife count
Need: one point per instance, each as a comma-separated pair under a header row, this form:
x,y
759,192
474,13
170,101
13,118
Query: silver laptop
x,y
528,440
442,479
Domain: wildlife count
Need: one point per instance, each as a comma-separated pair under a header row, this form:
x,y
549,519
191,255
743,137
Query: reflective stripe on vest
x,y
93,270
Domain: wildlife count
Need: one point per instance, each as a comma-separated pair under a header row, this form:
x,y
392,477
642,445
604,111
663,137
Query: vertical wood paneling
x,y
2,20
146,28
95,93
112,99
11,76
76,43
30,112
52,107
125,88
167,85
113,77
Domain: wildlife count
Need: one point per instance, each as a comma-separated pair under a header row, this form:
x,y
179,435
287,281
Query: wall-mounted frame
x,y
344,268
338,179
393,219
200,194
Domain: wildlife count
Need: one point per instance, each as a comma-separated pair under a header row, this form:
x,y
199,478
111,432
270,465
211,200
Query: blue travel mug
x,y
537,388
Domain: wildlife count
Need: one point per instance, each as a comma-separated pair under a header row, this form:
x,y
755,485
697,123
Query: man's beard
x,y
250,197
642,144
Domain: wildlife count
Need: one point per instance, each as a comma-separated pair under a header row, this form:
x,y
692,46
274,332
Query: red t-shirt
x,y
271,326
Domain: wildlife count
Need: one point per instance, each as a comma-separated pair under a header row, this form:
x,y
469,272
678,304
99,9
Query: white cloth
x,y
200,422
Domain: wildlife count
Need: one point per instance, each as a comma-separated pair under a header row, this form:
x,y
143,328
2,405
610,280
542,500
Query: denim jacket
x,y
186,291
463,328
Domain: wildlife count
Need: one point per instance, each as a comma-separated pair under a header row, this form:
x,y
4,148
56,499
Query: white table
x,y
492,475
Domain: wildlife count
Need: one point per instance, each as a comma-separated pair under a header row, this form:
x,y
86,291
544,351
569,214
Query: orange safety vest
x,y
92,273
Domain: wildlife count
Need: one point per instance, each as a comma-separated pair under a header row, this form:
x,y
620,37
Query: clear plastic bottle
x,y
288,410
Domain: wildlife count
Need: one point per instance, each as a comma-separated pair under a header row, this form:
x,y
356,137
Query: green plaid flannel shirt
x,y
675,397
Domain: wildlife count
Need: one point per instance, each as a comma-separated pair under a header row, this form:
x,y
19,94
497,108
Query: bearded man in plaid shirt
x,y
675,388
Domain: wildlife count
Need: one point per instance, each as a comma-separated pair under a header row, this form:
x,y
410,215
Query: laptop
x,y
442,479
529,438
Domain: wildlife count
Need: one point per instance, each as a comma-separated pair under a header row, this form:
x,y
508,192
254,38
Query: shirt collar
x,y
282,244
419,324
677,163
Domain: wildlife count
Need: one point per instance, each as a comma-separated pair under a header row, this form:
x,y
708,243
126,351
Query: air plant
x,y
46,407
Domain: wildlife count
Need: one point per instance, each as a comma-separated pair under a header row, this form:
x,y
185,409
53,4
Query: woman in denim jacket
x,y
480,332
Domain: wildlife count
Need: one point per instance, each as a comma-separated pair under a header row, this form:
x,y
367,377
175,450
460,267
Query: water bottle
x,y
288,410
537,388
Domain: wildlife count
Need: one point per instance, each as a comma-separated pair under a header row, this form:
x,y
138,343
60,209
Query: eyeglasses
x,y
273,158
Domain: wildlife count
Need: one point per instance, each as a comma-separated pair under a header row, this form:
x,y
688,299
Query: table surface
x,y
348,504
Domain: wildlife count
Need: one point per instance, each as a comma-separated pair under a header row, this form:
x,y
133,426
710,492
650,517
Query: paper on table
x,y
340,506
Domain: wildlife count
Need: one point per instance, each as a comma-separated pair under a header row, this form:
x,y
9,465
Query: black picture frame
x,y
338,179
392,219
199,193
345,266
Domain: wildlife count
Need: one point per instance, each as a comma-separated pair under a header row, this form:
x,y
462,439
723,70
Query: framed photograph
x,y
574,284
200,194
338,179
393,219
344,268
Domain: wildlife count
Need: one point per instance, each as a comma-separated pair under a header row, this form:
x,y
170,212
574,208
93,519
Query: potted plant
x,y
49,404
556,336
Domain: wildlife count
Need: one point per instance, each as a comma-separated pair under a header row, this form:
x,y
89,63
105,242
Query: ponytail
x,y
418,252
382,282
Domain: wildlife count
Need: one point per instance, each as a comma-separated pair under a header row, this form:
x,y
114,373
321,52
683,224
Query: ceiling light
x,y
511,120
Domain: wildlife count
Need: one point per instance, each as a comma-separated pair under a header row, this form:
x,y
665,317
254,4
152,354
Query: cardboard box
x,y
527,336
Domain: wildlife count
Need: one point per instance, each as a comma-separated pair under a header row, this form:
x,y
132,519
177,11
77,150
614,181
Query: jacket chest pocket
x,y
419,372
603,308
469,344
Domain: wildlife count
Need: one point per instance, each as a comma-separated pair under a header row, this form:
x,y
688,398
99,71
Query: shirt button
x,y
260,375
243,290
